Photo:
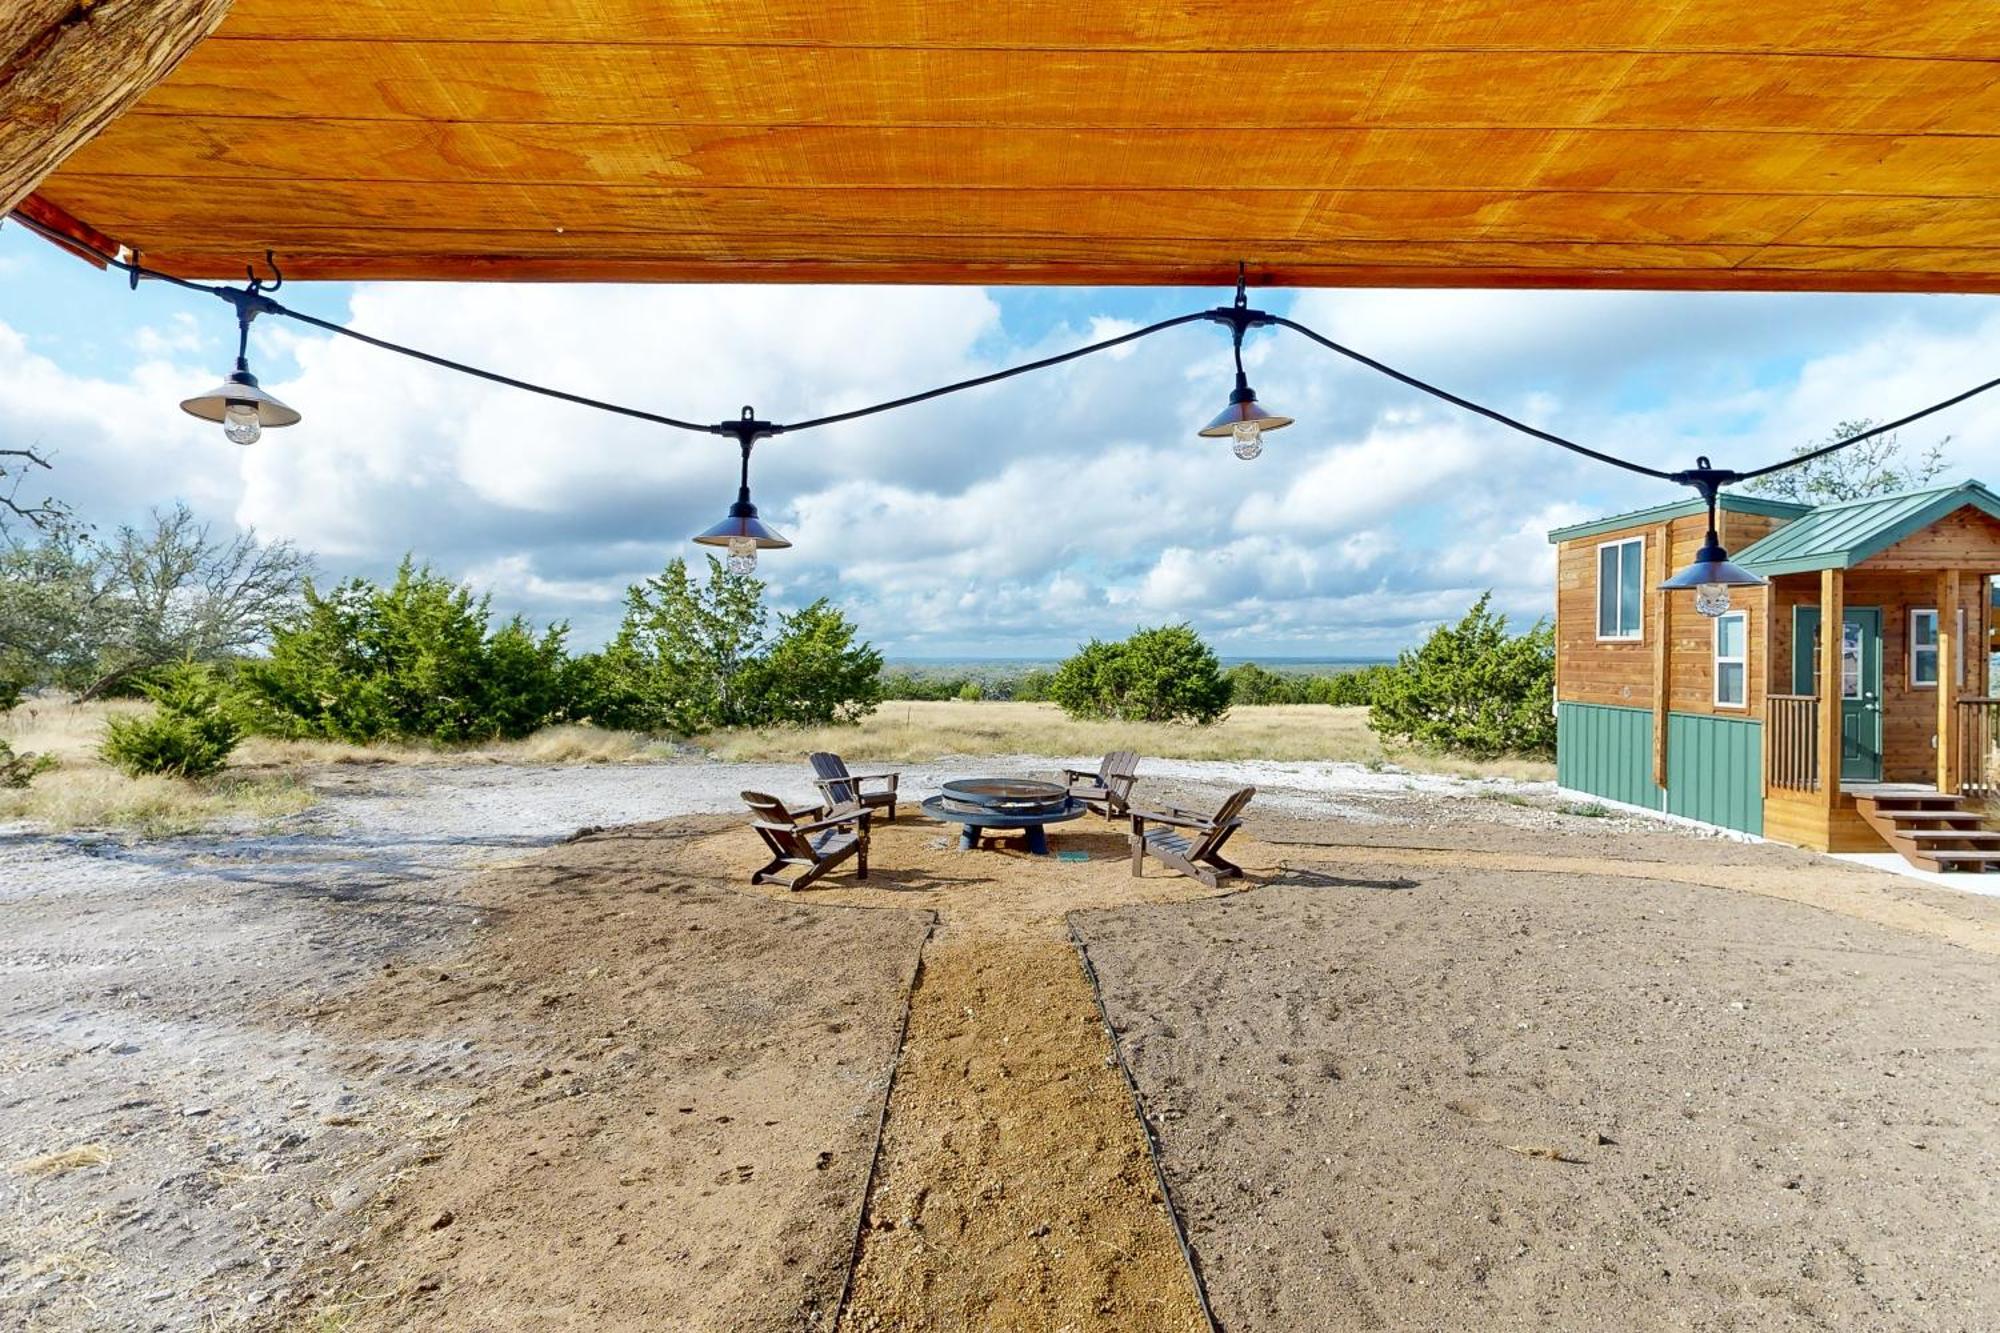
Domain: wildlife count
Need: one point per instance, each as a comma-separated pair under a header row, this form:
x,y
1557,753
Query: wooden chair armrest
x,y
1179,819
890,778
1074,773
846,814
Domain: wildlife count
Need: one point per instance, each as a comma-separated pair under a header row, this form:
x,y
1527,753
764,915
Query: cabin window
x,y
1924,647
1620,583
1732,660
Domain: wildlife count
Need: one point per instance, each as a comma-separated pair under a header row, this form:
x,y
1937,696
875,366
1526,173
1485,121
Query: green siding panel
x,y
1715,770
1607,752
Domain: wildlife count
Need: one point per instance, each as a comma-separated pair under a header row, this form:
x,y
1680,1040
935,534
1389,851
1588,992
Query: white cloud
x,y
1017,517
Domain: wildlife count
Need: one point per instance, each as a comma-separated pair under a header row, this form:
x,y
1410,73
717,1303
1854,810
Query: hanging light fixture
x,y
243,408
742,532
1245,420
1711,575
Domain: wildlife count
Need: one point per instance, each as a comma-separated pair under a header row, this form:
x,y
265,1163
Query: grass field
x,y
264,777
908,732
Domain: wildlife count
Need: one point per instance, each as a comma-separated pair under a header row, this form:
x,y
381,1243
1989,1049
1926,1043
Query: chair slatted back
x,y
1119,764
1226,816
831,768
785,839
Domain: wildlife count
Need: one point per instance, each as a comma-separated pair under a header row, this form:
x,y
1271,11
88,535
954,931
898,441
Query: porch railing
x,y
1979,747
1792,724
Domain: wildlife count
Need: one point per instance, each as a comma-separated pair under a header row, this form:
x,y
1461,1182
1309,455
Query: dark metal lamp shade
x,y
1243,408
741,524
240,389
1711,566
1711,576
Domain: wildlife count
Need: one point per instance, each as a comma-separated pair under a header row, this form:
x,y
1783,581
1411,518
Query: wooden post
x,y
1663,676
1832,616
1948,647
68,68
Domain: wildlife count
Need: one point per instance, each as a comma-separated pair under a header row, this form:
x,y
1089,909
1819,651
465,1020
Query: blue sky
x,y
1012,521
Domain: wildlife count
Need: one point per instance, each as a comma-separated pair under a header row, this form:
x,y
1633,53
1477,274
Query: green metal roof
x,y
1840,536
1740,504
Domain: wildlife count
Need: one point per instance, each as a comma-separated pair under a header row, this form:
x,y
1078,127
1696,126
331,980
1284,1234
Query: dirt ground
x,y
406,1065
685,1128
1459,1088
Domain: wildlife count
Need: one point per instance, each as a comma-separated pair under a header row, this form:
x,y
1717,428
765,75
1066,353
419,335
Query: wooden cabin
x,y
1722,721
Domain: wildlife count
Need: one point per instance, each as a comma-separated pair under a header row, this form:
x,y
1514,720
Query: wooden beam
x,y
1832,616
1947,676
68,68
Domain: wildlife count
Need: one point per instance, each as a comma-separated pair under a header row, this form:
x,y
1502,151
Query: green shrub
x,y
12,687
971,692
18,770
1473,689
691,657
416,660
189,734
1165,674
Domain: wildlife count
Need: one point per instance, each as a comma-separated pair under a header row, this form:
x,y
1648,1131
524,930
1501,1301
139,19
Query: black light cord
x,y
253,300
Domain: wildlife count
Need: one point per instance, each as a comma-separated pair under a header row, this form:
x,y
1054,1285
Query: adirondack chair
x,y
1188,841
840,787
1108,789
813,844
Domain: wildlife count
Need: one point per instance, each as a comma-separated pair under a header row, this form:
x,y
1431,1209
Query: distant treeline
x,y
1250,684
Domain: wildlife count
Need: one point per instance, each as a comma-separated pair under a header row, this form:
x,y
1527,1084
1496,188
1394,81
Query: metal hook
x,y
257,284
1242,296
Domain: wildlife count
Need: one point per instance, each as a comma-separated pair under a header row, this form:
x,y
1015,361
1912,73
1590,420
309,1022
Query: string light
x,y
1711,575
244,408
1244,422
741,531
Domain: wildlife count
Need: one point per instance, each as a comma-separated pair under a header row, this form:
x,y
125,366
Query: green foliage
x,y
1879,466
1164,674
18,770
88,614
12,687
1473,689
190,732
416,660
813,673
691,656
971,692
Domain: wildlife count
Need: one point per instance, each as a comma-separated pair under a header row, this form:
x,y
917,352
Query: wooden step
x,y
1931,830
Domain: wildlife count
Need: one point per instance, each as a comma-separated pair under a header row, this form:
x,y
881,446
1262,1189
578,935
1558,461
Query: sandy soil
x,y
1456,1089
683,1131
405,1062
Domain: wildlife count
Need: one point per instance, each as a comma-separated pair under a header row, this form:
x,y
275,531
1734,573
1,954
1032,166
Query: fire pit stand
x,y
982,805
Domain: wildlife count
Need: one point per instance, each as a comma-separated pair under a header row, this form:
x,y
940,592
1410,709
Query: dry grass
x,y
918,731
93,795
69,1159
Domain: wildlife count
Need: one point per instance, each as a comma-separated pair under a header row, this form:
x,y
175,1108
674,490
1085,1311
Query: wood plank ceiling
x,y
1848,144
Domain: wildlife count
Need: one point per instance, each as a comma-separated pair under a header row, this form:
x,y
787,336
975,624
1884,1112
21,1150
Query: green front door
x,y
1860,684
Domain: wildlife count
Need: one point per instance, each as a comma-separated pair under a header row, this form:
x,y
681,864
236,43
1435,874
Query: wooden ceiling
x,y
1847,144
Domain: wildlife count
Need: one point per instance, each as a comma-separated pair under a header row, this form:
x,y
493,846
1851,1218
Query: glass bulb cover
x,y
1249,440
240,424
1711,599
742,556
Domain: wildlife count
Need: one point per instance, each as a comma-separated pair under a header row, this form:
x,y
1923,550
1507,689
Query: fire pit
x,y
981,804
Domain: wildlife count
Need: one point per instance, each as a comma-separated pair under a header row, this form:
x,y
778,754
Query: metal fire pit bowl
x,y
979,805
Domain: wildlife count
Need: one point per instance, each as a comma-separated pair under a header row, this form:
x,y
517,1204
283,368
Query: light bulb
x,y
240,424
1712,599
743,555
1249,437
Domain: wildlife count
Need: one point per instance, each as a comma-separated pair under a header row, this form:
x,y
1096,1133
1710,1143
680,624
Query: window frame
x,y
1638,635
1717,661
1910,646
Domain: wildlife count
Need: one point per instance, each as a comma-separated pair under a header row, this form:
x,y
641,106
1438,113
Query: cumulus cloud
x,y
1012,519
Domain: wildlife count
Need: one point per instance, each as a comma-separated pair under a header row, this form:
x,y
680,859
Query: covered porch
x,y
1911,744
